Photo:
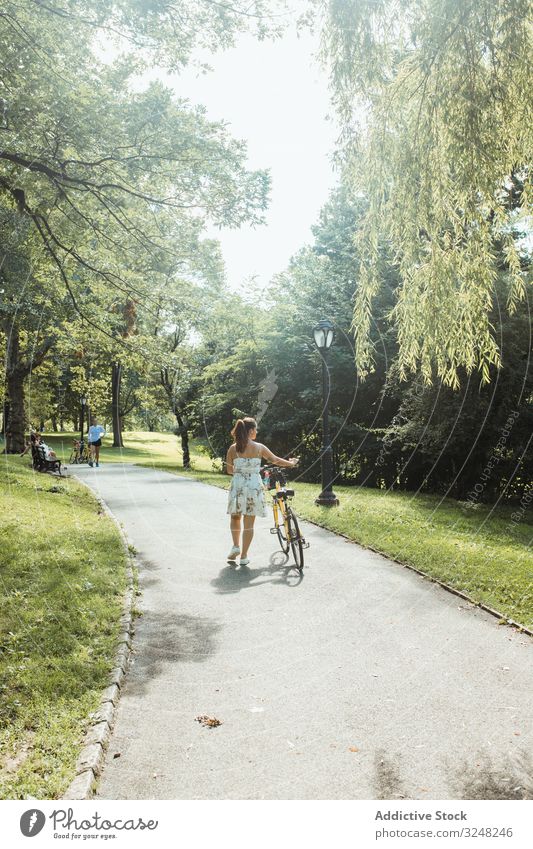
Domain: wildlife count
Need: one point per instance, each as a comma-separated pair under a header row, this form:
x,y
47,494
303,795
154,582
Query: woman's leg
x,y
247,534
235,526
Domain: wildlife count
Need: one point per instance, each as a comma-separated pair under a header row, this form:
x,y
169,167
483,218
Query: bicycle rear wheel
x,y
295,540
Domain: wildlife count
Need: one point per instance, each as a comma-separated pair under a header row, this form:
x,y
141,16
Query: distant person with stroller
x,y
96,432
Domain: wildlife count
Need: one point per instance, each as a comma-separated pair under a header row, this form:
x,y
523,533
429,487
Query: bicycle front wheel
x,y
295,540
280,528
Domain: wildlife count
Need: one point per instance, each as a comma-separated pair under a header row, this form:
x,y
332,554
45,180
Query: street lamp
x,y
82,417
323,334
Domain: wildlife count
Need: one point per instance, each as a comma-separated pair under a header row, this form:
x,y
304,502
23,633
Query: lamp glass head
x,y
323,334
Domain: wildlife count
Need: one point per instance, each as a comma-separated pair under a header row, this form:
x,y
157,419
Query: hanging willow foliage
x,y
435,98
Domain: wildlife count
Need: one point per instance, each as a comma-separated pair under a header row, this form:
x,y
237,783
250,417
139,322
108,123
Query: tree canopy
x,y
106,182
112,292
435,99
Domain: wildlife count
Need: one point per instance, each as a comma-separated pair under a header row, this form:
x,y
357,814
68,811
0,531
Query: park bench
x,y
42,463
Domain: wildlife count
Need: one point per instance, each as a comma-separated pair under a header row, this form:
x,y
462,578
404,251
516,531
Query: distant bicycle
x,y
79,453
285,522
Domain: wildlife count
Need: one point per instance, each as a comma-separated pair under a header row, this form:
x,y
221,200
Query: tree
x,y
107,177
435,99
275,337
98,160
476,442
29,320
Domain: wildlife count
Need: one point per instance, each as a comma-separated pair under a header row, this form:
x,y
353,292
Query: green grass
x,y
473,550
62,579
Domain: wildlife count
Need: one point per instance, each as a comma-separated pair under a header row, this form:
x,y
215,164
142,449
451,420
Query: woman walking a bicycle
x,y
246,498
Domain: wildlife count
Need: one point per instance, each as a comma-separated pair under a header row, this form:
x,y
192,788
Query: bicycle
x,y
285,521
79,453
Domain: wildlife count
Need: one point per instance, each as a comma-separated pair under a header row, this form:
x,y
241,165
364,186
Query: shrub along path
x,y
360,681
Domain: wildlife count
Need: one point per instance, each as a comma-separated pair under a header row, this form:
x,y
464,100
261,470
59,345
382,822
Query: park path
x,y
363,680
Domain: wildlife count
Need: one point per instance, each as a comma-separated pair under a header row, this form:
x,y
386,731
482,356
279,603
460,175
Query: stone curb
x,y
96,740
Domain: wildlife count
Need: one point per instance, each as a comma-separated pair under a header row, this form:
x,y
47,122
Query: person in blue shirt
x,y
96,432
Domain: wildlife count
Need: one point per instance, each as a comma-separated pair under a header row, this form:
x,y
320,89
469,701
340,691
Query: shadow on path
x,y
490,777
233,578
168,639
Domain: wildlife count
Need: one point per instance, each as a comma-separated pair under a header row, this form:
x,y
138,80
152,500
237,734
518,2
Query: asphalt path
x,y
361,680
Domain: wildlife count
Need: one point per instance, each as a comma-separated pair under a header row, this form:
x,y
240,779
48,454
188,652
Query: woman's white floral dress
x,y
246,493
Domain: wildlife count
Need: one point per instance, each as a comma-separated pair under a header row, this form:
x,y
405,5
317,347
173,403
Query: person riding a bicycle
x,y
246,498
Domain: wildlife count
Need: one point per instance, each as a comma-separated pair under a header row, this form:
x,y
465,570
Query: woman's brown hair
x,y
241,431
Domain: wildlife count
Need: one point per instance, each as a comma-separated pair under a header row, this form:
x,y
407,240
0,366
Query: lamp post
x,y
82,417
323,334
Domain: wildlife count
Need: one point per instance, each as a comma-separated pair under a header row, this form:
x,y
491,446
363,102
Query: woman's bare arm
x,y
230,456
267,454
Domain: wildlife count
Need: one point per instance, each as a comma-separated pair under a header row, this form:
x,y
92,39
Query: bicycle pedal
x,y
273,530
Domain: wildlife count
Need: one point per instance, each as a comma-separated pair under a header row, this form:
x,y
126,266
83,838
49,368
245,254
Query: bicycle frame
x,y
285,520
279,508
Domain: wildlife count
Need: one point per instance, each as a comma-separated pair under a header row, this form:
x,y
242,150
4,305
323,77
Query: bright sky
x,y
274,95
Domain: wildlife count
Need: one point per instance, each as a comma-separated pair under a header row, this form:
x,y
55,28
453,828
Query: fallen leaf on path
x,y
209,721
117,755
353,749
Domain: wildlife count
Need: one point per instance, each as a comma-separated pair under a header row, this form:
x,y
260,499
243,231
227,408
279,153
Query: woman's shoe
x,y
244,561
234,553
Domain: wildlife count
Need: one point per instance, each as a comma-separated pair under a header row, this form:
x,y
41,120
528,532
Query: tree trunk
x,y
116,377
5,417
15,393
15,430
17,369
184,434
54,424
